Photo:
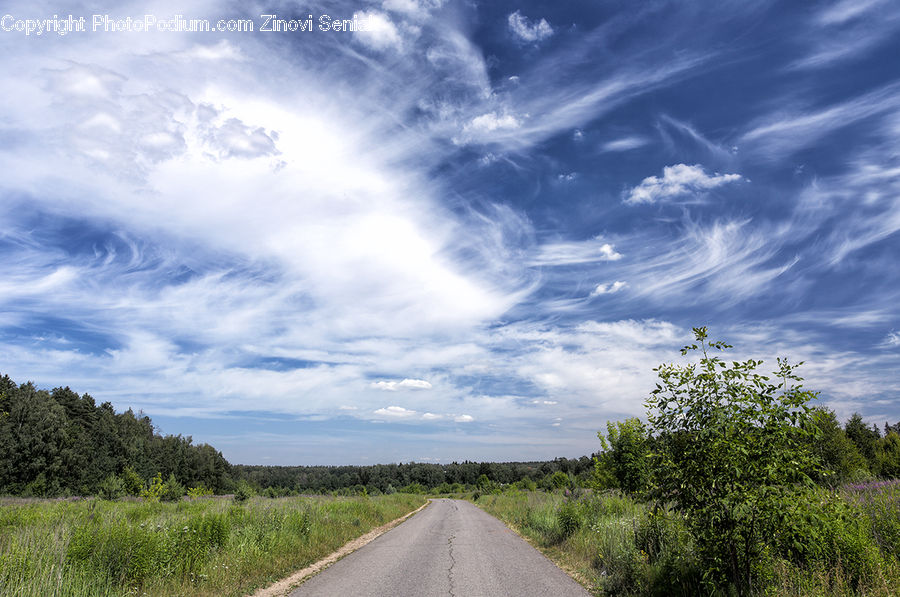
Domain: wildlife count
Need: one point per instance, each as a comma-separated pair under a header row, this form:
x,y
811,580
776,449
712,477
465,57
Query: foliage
x,y
190,548
132,482
628,446
863,436
835,542
199,492
840,457
887,456
172,490
59,443
112,488
155,489
559,480
733,449
243,492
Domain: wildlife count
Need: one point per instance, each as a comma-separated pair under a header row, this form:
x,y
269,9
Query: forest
x,y
57,443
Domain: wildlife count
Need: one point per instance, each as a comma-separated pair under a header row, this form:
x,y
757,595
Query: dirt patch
x,y
286,585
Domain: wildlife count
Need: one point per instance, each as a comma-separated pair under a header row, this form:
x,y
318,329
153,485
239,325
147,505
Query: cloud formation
x,y
527,30
505,224
677,181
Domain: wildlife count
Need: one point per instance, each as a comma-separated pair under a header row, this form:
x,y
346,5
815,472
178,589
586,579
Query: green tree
x,y
887,456
733,447
628,446
840,457
863,436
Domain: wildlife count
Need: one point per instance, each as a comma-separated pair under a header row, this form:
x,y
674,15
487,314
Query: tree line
x,y
59,443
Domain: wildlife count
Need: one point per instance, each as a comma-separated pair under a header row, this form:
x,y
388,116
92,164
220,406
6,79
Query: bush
x,y
172,490
569,518
132,482
732,451
198,492
243,492
155,490
112,488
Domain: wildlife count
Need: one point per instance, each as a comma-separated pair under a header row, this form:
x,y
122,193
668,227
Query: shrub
x,y
172,489
112,488
732,449
628,448
155,490
132,482
569,517
198,492
243,492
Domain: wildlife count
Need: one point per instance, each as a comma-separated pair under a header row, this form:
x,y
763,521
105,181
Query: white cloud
x,y
406,384
380,32
431,417
487,123
527,30
463,418
608,288
676,181
624,144
396,412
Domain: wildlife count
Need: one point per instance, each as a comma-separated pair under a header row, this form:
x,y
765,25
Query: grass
x,y
207,546
847,543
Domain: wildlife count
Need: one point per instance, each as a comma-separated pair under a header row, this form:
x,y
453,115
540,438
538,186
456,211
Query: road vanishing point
x,y
451,548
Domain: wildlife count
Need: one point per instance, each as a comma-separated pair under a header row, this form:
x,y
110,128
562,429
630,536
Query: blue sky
x,y
469,232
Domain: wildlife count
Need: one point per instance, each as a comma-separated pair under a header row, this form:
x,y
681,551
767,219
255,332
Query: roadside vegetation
x,y
205,546
734,485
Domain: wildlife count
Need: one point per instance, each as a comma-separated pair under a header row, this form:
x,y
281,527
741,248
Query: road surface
x,y
450,548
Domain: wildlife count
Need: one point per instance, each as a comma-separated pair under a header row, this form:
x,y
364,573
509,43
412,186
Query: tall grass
x,y
200,547
833,543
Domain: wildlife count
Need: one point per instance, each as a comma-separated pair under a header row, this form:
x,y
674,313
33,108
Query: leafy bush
x,y
132,482
155,490
243,492
112,488
569,518
732,449
172,490
627,445
198,492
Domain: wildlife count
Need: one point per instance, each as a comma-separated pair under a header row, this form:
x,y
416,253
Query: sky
x,y
462,230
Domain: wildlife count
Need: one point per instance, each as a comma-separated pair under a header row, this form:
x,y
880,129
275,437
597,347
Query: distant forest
x,y
57,443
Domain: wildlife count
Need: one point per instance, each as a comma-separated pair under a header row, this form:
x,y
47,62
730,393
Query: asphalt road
x,y
449,548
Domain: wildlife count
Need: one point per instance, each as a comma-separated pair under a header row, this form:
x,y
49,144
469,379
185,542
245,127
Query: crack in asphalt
x,y
452,564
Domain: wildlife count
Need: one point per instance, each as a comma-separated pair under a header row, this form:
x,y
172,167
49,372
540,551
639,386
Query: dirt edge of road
x,y
286,585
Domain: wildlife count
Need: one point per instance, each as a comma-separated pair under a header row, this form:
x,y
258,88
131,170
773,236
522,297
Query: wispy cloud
x,y
624,144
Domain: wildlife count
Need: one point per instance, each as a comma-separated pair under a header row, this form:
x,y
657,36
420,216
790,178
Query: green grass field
x,y
209,546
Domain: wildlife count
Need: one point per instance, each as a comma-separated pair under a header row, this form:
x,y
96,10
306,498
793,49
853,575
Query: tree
x,y
628,446
863,436
887,456
732,448
840,457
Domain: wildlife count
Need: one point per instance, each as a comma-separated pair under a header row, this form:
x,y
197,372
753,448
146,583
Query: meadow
x,y
838,542
205,546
